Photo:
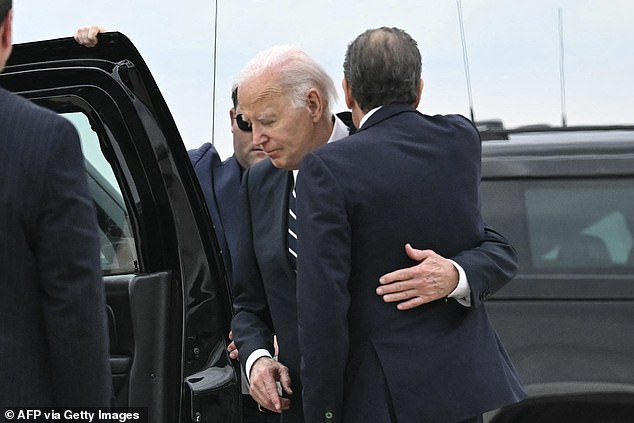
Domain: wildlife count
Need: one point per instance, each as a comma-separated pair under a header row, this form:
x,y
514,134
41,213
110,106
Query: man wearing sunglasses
x,y
220,183
286,97
220,180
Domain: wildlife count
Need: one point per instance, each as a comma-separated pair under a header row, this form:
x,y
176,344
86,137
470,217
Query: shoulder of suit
x,y
19,110
230,162
457,121
206,153
227,170
34,128
450,120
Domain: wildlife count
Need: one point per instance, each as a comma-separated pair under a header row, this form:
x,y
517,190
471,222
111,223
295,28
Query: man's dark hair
x,y
383,66
234,96
5,6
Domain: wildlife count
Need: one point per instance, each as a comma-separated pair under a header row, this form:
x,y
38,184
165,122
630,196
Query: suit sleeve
x,y
323,299
489,266
251,324
73,298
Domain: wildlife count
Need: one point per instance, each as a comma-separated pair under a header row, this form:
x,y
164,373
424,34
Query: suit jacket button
x,y
329,415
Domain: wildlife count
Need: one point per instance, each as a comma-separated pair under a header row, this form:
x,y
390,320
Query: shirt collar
x,y
339,130
367,116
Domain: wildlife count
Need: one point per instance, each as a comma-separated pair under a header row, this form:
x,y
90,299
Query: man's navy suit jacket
x,y
402,178
220,183
53,327
264,279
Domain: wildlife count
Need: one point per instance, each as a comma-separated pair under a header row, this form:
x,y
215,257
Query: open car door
x,y
168,302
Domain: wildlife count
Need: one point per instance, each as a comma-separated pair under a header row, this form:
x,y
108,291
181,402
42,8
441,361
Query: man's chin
x,y
282,163
278,162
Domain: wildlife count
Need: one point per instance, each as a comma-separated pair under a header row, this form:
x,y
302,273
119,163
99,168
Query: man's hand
x,y
87,36
265,373
433,278
233,350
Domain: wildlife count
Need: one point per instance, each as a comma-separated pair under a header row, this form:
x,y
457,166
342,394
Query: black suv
x,y
565,199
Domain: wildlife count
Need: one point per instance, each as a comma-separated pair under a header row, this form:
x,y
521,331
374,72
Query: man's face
x,y
246,152
285,132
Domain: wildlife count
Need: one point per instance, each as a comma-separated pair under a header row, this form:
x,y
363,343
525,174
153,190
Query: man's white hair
x,y
297,71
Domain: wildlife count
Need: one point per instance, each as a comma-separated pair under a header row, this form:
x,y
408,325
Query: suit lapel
x,y
206,163
269,207
227,191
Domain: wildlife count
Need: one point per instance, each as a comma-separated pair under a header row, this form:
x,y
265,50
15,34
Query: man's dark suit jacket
x,y
220,183
53,328
264,280
403,177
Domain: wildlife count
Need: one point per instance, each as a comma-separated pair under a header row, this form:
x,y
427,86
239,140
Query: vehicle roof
x,y
570,140
560,152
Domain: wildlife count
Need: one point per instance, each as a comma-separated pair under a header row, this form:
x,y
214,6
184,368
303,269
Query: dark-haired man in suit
x,y
402,178
287,98
53,328
220,180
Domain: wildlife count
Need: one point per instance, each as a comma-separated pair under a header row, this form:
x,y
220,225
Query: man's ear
x,y
351,103
232,115
348,94
419,94
6,37
315,104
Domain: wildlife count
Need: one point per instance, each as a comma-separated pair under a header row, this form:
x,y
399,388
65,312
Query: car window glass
x,y
580,226
118,251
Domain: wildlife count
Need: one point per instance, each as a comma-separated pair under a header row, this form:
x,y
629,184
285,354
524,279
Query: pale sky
x,y
513,51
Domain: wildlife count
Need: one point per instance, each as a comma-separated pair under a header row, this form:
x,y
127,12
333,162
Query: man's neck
x,y
337,130
323,131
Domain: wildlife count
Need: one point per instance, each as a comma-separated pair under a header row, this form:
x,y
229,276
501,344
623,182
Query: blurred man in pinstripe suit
x,y
53,329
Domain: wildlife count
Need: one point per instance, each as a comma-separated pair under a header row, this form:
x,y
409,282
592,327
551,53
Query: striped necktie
x,y
292,228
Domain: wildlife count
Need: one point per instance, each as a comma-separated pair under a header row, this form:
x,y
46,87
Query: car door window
x,y
118,251
580,226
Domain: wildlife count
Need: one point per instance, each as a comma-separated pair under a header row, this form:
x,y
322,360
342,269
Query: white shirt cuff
x,y
254,356
462,293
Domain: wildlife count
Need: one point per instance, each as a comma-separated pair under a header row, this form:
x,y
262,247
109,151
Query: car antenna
x,y
213,94
562,80
465,59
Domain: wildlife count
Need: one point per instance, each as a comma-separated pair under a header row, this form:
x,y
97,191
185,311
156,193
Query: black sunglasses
x,y
243,124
